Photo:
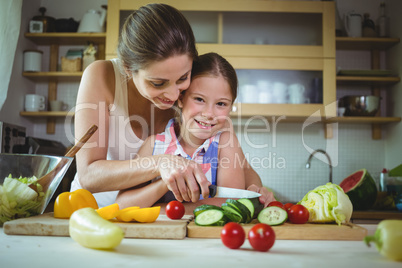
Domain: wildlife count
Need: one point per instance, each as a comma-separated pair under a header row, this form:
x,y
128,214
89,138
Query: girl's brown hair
x,y
212,64
152,33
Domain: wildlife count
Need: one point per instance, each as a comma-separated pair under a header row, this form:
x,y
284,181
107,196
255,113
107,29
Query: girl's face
x,y
205,107
161,82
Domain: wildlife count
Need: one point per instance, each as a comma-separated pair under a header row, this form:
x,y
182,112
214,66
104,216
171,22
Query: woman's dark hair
x,y
152,33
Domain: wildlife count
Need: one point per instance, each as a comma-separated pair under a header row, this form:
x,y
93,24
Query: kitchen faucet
x,y
329,161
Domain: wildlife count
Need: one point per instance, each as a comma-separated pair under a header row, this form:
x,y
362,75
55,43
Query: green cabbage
x,y
18,200
328,203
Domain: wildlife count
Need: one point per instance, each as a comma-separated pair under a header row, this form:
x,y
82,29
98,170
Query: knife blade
x,y
225,192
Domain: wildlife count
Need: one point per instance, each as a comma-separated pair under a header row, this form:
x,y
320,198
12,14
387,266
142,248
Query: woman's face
x,y
161,82
206,106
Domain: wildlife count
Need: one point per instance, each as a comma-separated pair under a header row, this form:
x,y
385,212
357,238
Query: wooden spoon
x,y
46,179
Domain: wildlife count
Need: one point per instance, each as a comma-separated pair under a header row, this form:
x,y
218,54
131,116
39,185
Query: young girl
x,y
199,134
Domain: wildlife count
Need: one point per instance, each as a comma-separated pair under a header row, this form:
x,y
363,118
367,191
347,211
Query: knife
x,y
225,192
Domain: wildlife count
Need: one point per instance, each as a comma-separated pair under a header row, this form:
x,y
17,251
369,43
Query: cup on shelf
x,y
58,105
34,103
32,60
297,94
279,92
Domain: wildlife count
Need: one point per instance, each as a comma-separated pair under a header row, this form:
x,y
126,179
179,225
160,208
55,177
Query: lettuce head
x,y
328,203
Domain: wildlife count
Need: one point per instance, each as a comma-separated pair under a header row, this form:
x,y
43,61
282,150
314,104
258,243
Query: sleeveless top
x,y
123,144
206,155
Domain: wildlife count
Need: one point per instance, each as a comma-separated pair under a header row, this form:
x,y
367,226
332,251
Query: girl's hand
x,y
183,177
266,196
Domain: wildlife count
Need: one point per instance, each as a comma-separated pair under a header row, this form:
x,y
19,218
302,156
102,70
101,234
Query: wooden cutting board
x,y
289,231
47,225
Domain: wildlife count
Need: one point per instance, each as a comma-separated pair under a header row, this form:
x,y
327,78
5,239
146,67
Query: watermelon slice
x,y
361,189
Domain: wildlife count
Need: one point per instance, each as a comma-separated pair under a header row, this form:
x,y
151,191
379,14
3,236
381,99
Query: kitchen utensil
x,y
353,24
58,105
92,21
360,105
225,192
28,165
66,25
34,103
32,60
44,180
48,22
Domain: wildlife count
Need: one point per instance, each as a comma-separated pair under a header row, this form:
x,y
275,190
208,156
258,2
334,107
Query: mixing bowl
x,y
360,105
28,165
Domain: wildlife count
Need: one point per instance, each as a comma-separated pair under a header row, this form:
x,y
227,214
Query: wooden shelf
x,y
46,114
368,80
363,120
65,38
365,43
53,76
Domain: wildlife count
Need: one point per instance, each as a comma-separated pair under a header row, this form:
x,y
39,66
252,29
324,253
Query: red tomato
x,y
233,235
275,204
261,237
287,206
175,210
298,214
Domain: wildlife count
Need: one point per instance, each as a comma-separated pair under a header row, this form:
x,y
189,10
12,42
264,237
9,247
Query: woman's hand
x,y
183,177
266,196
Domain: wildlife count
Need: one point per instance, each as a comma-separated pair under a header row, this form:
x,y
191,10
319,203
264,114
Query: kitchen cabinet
x,y
314,56
53,76
377,83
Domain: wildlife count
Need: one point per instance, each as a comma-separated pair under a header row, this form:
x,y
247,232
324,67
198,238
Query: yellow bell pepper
x,y
388,239
109,212
68,202
139,214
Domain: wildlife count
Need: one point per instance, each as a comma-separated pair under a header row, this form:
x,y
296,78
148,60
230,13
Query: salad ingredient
x,y
68,202
287,206
175,210
388,239
273,216
233,235
298,214
90,230
396,171
261,237
125,214
139,214
361,189
276,204
18,200
204,207
108,212
211,217
328,203
240,208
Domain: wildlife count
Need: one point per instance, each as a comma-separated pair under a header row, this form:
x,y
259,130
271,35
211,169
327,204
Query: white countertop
x,y
46,251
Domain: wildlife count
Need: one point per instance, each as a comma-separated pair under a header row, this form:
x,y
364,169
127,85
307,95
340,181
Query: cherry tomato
x,y
298,214
175,210
261,237
276,204
288,205
233,235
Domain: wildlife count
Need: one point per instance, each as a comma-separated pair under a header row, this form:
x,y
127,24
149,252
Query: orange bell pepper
x,y
68,202
109,212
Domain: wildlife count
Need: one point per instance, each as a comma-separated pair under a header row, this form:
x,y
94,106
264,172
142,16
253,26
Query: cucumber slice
x,y
232,216
204,207
249,205
211,217
229,209
244,211
257,206
272,216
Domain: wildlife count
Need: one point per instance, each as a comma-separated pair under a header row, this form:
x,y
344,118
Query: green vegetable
x,y
328,203
248,204
18,200
388,239
204,207
211,217
273,216
242,209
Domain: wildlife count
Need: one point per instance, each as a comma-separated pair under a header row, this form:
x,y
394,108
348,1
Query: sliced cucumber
x,y
272,216
211,217
244,211
229,209
257,206
233,216
249,205
204,207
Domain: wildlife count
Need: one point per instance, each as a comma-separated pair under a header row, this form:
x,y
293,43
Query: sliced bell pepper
x,y
68,202
124,214
139,214
109,212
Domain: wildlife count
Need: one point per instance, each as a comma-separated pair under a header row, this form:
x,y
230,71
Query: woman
x,y
129,98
